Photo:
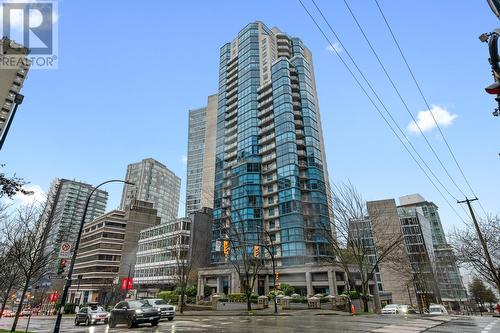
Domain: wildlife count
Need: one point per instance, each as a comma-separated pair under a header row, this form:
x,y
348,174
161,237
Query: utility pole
x,y
491,266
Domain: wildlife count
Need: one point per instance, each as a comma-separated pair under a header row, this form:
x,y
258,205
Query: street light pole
x,y
75,250
18,99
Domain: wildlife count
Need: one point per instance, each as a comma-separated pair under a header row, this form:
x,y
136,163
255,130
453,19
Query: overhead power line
x,y
425,101
384,69
383,104
379,111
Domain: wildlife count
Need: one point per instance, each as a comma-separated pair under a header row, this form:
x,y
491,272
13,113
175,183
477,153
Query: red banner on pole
x,y
124,283
127,283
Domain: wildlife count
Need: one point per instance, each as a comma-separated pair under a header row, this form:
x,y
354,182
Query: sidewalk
x,y
265,312
231,313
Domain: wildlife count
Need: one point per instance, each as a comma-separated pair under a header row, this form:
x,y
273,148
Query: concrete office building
x,y
395,278
11,80
201,157
63,212
452,290
160,247
154,183
409,275
107,251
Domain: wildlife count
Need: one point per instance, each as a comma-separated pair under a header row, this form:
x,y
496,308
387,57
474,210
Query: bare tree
x,y
25,234
241,238
183,269
9,272
10,277
470,253
352,245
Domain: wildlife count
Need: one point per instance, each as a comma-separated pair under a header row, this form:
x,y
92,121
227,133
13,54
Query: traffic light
x,y
226,247
277,276
256,251
62,266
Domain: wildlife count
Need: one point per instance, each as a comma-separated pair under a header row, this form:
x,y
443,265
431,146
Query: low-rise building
x,y
166,248
107,252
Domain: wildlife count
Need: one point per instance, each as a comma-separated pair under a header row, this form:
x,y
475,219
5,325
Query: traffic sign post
x,y
65,250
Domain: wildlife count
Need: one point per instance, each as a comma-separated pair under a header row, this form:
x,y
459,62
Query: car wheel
x,y
112,323
131,323
87,322
77,322
170,318
154,323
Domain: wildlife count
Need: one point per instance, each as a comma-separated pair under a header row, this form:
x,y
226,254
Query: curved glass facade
x,y
270,172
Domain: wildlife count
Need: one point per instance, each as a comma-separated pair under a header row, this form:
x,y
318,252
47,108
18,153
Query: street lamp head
x,y
18,99
129,183
484,37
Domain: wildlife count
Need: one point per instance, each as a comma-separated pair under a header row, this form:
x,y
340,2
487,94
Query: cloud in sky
x,y
184,159
37,196
334,47
424,119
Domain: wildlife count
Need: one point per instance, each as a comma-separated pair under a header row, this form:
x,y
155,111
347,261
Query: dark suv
x,y
133,313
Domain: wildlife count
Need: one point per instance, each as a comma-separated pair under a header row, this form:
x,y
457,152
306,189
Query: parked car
x,y
133,313
8,313
437,310
391,309
407,309
166,310
91,314
25,312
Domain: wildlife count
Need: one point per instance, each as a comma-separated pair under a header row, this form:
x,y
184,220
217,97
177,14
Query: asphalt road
x,y
304,323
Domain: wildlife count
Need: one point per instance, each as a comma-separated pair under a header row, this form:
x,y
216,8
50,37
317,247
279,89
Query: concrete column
x,y
331,283
201,286
266,285
219,285
376,298
256,285
310,290
235,283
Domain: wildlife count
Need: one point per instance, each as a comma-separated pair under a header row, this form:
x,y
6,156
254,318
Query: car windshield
x,y
160,302
139,304
95,308
435,309
391,306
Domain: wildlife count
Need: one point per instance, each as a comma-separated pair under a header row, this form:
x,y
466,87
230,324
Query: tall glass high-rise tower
x,y
155,183
270,169
201,157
